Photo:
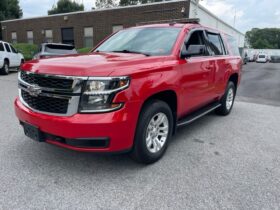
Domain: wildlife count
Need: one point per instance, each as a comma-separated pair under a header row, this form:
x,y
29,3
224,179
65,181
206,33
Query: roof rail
x,y
172,21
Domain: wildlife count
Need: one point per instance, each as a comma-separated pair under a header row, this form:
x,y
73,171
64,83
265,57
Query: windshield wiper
x,y
129,51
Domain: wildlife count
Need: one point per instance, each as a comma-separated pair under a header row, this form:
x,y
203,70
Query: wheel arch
x,y
170,97
7,59
234,78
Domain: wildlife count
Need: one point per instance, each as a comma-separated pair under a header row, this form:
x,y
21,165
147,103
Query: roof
x,y
96,10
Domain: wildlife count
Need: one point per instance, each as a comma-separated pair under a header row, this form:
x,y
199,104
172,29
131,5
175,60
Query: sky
x,y
249,13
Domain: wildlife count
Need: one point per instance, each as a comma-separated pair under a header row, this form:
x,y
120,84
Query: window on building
x,y
7,47
30,37
1,47
216,44
14,37
48,36
117,28
88,37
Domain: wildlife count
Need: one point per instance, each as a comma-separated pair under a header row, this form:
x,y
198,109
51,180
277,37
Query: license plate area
x,y
33,132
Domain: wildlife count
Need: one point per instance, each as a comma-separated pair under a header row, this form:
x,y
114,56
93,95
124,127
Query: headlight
x,y
98,94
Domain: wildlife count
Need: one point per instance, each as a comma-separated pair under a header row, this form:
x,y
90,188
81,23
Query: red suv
x,y
132,91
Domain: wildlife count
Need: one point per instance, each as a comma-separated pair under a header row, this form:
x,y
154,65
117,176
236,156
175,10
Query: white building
x,y
211,20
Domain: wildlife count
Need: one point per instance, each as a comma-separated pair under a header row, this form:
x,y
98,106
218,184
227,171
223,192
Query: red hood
x,y
94,64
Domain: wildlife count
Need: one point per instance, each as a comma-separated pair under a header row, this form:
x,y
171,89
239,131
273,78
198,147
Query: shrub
x,y
28,50
84,50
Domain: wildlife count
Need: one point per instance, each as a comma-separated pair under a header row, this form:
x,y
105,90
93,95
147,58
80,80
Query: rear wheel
x,y
227,100
153,132
5,69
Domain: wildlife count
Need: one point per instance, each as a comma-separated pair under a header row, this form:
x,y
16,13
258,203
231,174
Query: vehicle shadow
x,y
51,158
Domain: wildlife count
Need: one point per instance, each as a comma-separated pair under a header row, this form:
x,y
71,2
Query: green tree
x,y
267,38
64,6
128,2
9,9
101,4
135,2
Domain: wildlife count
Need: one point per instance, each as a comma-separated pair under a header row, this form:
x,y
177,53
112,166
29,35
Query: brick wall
x,y
101,21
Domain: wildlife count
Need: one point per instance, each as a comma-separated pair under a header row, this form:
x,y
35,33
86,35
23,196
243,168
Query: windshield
x,y
148,41
261,56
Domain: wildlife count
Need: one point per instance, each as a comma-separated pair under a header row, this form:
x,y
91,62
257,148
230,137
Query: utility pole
x,y
196,8
234,20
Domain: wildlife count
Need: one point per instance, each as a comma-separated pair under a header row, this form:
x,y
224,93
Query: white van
x,y
9,58
262,58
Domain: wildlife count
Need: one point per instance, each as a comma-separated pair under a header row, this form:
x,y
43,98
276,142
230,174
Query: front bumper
x,y
118,127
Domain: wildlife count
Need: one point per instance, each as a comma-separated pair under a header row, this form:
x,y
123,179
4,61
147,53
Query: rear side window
x,y
1,47
7,47
216,44
233,45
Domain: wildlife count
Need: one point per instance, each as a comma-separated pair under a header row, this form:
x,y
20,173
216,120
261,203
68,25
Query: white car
x,y
262,58
10,58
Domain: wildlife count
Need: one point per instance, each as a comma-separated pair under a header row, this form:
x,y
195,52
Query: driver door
x,y
197,73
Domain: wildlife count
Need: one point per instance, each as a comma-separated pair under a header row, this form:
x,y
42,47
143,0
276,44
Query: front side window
x,y
196,38
216,45
30,37
149,41
13,49
88,37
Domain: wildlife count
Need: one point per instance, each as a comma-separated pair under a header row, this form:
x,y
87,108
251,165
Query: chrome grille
x,y
46,104
49,94
48,82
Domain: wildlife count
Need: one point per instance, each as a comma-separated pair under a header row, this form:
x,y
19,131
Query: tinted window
x,y
7,47
13,49
1,47
215,43
196,38
60,49
233,45
152,41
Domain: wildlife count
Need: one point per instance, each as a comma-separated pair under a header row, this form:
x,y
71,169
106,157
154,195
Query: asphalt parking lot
x,y
260,83
215,163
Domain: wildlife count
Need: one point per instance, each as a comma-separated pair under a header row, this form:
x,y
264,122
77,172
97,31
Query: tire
x,y
149,145
227,100
5,69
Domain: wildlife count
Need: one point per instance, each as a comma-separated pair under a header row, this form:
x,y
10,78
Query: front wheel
x,y
227,100
153,132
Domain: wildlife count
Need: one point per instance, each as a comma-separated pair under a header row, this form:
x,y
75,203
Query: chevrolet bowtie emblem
x,y
34,90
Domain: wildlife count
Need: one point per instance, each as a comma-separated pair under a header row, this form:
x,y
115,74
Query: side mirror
x,y
194,50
